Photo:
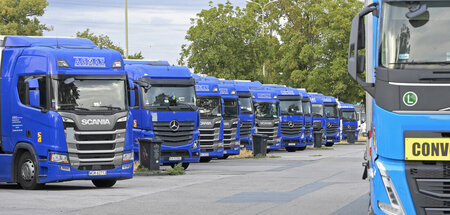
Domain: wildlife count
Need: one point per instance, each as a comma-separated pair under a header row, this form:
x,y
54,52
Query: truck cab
x,y
319,123
246,116
332,119
349,122
64,112
231,121
307,114
165,108
209,103
267,115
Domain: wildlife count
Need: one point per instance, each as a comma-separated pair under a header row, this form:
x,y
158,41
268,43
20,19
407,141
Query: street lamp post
x,y
263,8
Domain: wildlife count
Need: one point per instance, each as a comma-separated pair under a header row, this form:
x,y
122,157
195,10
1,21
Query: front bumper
x,y
293,142
180,154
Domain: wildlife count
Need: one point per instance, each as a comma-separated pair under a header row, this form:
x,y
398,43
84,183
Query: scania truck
x,y
165,108
209,103
408,82
64,113
267,115
349,122
231,121
307,114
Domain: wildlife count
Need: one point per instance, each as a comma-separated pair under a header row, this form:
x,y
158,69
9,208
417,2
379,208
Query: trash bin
x,y
318,140
259,144
351,138
150,153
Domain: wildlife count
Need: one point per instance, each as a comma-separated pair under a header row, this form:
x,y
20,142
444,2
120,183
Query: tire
x,y
27,173
224,157
104,183
329,144
291,149
184,165
268,151
205,159
301,148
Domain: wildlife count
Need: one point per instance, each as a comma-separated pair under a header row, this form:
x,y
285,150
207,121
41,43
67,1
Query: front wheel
x,y
224,157
329,144
104,183
27,172
291,149
184,165
301,148
205,159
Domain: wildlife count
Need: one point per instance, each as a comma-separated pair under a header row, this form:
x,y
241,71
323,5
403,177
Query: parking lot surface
x,y
304,182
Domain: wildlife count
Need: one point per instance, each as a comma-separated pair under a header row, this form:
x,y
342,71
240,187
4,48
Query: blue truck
x,y
209,103
332,121
231,121
406,45
267,115
165,108
64,113
246,116
292,118
307,114
349,122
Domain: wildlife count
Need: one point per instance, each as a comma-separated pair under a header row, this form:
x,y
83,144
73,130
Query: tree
x,y
20,17
103,41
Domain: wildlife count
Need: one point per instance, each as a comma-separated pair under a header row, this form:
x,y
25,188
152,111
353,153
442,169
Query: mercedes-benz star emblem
x,y
174,125
291,124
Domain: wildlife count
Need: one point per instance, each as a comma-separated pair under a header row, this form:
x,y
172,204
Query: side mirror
x,y
239,107
33,93
356,62
223,106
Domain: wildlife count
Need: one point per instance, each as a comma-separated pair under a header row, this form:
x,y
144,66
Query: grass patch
x,y
140,168
273,156
322,148
176,170
247,154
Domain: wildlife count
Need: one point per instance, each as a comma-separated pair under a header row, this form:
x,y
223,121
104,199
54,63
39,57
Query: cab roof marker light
x,y
117,64
395,207
62,63
233,92
215,89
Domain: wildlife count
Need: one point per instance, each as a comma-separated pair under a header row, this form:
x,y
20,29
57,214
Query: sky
x,y
155,27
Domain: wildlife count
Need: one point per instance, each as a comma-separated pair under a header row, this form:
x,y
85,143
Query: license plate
x,y
291,144
175,158
204,154
225,152
427,149
97,173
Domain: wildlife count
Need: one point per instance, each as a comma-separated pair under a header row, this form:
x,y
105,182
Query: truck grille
x,y
95,150
271,132
182,136
229,136
289,131
347,129
332,129
245,129
209,136
307,128
175,153
429,184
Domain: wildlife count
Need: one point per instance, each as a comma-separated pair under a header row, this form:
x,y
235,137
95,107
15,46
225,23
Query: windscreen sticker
x,y
403,56
181,99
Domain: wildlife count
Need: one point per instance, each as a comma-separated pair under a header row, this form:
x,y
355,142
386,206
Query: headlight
x,y
395,207
195,145
65,119
58,158
235,122
128,157
123,119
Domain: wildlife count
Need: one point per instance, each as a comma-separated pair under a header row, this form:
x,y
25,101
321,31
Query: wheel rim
x,y
27,170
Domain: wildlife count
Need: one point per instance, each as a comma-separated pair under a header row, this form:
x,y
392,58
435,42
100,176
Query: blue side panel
x,y
5,167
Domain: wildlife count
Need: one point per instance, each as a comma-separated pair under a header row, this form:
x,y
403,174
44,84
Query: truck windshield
x,y
159,96
417,43
89,94
348,115
246,105
331,111
231,108
209,106
317,110
306,107
291,107
266,110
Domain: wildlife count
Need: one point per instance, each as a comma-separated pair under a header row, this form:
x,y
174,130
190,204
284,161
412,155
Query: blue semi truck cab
x,y
307,114
407,84
209,103
349,122
267,115
332,120
64,113
292,118
165,108
246,116
231,121
319,123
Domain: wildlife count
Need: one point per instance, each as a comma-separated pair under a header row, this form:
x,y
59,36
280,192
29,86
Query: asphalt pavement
x,y
304,182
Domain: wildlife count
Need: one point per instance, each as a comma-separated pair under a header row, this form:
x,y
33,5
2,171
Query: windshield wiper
x,y
109,107
317,115
72,107
187,105
424,62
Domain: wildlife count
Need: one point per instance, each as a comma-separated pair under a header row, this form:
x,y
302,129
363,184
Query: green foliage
x,y
103,41
176,170
142,169
20,17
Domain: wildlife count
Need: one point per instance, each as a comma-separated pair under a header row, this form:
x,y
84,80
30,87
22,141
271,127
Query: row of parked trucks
x,y
71,110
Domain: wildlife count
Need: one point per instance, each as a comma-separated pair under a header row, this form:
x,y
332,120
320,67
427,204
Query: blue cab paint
x,y
307,113
348,120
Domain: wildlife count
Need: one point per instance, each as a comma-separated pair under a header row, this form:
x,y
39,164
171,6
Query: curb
x,y
152,173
